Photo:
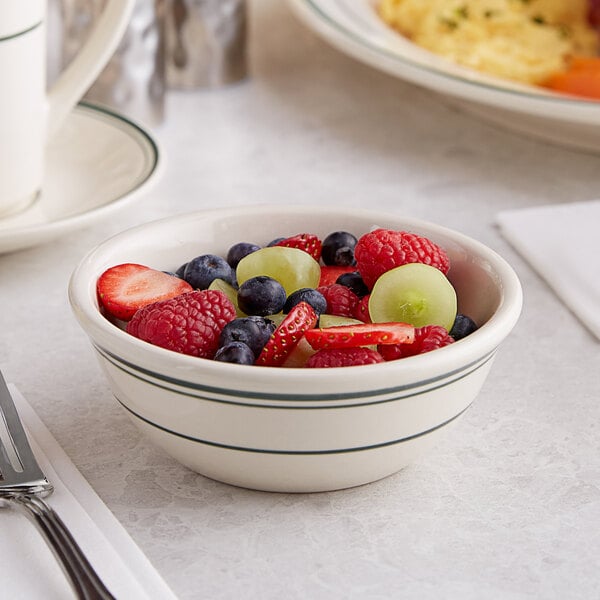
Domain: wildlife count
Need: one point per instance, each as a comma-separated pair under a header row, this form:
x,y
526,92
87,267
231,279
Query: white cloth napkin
x,y
562,243
28,567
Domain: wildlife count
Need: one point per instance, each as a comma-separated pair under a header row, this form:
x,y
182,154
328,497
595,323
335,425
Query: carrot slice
x,y
581,79
588,63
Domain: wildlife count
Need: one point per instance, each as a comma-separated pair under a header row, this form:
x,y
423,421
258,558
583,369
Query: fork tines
x,y
18,466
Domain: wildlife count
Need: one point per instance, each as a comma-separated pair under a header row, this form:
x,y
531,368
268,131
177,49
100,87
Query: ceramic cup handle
x,y
89,62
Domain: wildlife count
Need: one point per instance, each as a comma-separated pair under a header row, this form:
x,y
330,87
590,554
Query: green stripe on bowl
x,y
389,394
294,452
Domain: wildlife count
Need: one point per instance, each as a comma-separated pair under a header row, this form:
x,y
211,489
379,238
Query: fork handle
x,y
81,575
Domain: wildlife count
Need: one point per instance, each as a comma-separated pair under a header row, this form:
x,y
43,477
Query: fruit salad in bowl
x,y
298,302
294,349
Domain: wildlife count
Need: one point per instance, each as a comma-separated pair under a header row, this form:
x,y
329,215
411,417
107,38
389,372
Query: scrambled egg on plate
x,y
522,40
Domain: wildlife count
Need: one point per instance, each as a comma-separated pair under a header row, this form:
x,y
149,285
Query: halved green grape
x,y
293,268
326,320
299,355
277,318
414,293
229,291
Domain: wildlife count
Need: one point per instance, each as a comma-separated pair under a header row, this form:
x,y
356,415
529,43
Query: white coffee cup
x,y
29,114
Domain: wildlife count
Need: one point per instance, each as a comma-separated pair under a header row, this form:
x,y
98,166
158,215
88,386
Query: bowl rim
x,y
108,337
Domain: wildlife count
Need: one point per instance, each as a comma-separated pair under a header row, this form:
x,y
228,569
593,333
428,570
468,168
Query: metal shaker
x,y
205,43
133,81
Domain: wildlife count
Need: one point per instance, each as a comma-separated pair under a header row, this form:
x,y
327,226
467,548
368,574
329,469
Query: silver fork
x,y
24,485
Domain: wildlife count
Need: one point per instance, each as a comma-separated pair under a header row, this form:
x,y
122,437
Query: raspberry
x,y
190,323
341,300
427,338
361,310
344,357
384,249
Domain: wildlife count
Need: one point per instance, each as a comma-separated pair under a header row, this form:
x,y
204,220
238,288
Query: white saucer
x,y
98,162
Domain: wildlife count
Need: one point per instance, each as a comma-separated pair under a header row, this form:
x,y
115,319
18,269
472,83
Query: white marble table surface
x,y
507,507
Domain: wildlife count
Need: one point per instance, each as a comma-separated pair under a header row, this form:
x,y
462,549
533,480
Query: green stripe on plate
x,y
12,36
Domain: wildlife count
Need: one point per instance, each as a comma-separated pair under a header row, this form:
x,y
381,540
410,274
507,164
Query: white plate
x,y
353,27
98,162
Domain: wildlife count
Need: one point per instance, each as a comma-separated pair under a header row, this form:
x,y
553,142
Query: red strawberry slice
x,y
365,334
329,274
125,288
427,338
304,241
286,337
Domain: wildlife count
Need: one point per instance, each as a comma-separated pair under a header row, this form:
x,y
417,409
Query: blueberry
x,y
261,295
275,241
201,271
235,352
254,331
338,249
308,295
463,326
355,282
181,271
238,251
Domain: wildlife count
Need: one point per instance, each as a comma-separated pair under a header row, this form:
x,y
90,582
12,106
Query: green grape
x,y
414,293
293,268
229,291
326,320
299,355
277,318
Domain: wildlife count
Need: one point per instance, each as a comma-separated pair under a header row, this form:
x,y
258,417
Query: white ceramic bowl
x,y
294,430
